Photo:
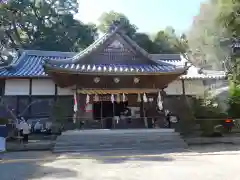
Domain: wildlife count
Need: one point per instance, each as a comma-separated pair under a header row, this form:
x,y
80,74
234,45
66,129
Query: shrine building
x,y
110,74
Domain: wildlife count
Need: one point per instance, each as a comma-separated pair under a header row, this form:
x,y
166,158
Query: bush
x,y
209,114
205,108
234,101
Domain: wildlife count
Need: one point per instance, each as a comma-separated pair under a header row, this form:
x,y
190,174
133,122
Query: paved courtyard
x,y
222,165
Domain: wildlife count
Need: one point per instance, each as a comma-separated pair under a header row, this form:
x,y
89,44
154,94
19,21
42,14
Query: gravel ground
x,y
203,163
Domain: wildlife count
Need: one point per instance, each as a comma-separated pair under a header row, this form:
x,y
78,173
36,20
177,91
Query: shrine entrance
x,y
105,111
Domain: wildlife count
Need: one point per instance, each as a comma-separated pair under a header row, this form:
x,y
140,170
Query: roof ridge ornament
x,y
115,25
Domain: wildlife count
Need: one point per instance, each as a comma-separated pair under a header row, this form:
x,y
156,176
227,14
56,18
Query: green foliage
x,y
44,25
107,18
228,16
209,115
234,101
207,107
165,41
205,36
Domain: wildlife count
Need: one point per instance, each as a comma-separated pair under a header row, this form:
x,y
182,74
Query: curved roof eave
x,y
50,68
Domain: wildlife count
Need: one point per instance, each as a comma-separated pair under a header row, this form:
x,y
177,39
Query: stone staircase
x,y
113,140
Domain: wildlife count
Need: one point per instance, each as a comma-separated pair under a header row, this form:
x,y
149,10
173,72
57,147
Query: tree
x,y
228,16
43,25
205,36
107,18
166,41
145,42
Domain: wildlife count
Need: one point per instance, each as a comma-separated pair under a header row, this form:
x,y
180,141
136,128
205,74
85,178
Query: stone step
x,y
120,131
71,146
121,134
63,137
122,139
111,140
127,141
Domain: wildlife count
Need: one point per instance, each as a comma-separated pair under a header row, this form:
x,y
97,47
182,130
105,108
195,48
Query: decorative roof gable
x,y
107,49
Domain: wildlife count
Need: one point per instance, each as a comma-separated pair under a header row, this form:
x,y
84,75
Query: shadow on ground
x,y
215,148
120,156
18,169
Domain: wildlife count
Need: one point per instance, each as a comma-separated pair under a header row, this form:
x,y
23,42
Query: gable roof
x,y
102,42
103,57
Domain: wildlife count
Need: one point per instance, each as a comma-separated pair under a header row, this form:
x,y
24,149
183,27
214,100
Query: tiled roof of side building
x,y
30,63
193,71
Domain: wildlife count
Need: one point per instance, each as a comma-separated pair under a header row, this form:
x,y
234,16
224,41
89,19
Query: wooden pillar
x,y
183,87
101,114
55,93
30,98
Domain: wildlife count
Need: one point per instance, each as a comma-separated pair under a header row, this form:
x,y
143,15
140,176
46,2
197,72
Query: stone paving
x,y
213,165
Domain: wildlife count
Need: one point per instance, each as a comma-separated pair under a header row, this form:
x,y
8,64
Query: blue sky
x,y
149,16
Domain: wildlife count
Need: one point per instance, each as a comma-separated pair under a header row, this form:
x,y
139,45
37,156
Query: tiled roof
x,y
30,64
193,71
115,31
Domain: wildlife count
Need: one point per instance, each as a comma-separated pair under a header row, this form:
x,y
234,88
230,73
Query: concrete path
x,y
218,163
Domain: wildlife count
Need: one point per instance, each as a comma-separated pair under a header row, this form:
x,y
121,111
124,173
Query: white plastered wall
x,y
43,87
47,87
64,91
192,87
174,88
17,87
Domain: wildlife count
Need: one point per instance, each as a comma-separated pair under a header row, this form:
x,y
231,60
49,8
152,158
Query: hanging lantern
x,y
123,97
96,98
145,98
139,98
118,98
112,98
87,99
